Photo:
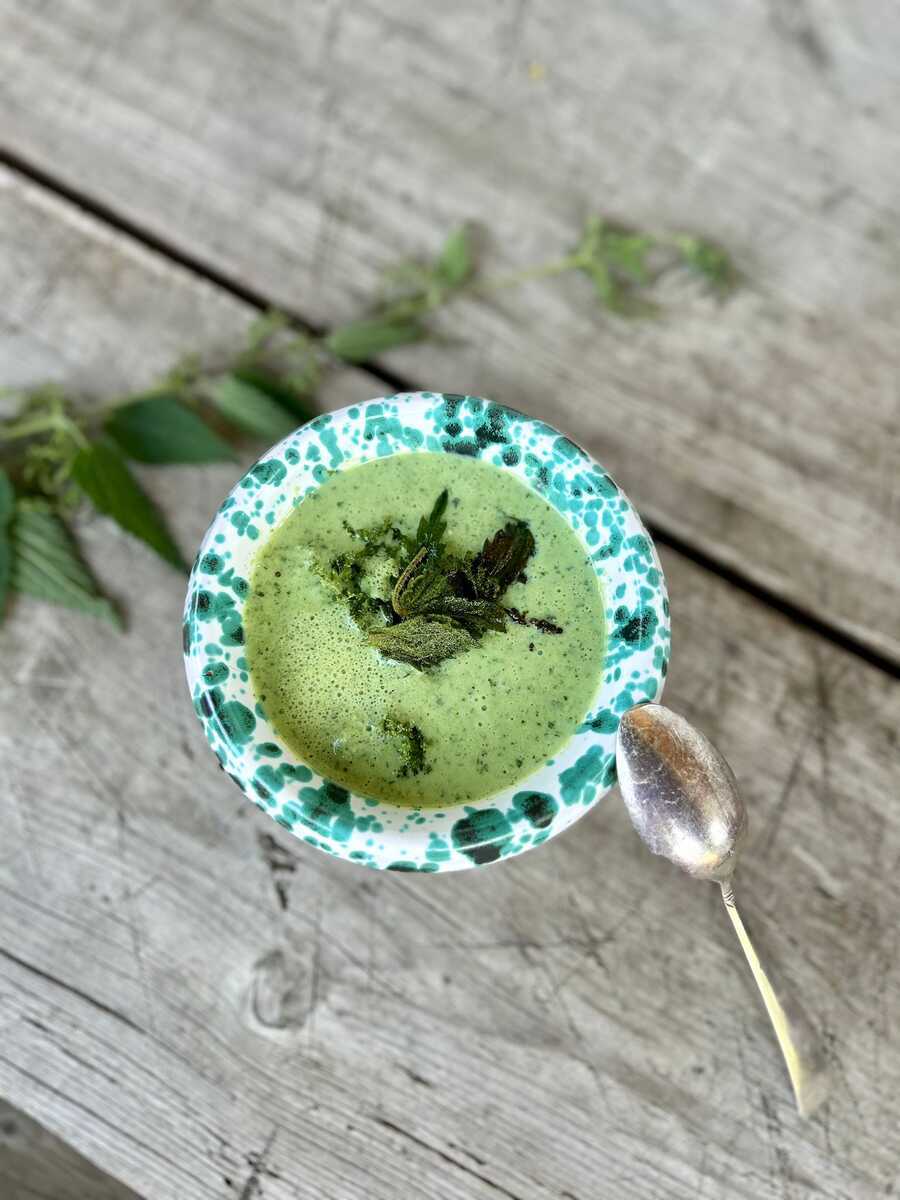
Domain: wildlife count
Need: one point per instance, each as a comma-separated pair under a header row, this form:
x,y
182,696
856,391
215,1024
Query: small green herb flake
x,y
103,476
410,743
344,576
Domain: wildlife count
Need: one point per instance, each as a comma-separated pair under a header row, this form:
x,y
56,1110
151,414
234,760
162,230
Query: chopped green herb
x,y
410,742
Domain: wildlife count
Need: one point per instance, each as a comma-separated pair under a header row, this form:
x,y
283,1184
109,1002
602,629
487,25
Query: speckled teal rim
x,y
319,811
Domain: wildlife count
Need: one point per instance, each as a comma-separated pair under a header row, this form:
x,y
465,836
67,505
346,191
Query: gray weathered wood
x,y
35,1165
303,147
575,1023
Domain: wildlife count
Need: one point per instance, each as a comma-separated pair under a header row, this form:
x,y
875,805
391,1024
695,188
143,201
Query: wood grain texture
x,y
302,147
207,1009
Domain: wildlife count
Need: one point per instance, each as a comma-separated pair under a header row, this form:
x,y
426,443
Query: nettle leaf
x,y
709,261
46,563
626,252
478,616
431,530
7,508
158,428
248,407
362,340
501,560
456,261
102,474
291,394
421,641
420,588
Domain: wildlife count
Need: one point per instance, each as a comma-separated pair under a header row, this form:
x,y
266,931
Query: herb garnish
x,y
441,602
410,743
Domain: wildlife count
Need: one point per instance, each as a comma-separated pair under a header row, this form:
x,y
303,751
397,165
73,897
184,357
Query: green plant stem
x,y
46,423
499,283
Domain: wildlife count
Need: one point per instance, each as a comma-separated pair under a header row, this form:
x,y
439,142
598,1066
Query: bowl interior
x,y
364,830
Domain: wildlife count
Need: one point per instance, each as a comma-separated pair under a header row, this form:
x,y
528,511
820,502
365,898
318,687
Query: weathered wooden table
x,y
577,1023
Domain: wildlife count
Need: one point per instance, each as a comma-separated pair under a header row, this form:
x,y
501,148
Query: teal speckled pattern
x,y
319,811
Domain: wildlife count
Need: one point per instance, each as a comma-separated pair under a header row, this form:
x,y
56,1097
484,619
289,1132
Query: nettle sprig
x,y
58,453
441,601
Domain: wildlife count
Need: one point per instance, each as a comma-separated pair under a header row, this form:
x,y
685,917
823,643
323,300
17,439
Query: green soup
x,y
487,717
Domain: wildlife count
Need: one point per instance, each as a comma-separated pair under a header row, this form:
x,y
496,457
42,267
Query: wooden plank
x,y
35,1164
575,1023
302,148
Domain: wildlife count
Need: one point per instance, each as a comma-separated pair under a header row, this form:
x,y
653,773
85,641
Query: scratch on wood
x,y
74,991
415,1076
780,807
258,1164
447,1158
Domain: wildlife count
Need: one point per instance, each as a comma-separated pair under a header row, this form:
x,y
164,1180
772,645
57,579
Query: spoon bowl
x,y
680,792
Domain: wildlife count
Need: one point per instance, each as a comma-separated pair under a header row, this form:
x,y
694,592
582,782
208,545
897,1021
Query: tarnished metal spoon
x,y
683,800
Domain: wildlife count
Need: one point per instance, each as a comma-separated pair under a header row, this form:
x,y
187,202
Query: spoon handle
x,y
795,1035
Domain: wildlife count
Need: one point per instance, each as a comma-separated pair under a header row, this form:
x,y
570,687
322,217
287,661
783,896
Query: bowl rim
x,y
328,816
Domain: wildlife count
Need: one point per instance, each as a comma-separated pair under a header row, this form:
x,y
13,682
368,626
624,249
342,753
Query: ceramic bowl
x,y
359,829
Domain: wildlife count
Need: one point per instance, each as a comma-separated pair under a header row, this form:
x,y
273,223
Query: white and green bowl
x,y
368,831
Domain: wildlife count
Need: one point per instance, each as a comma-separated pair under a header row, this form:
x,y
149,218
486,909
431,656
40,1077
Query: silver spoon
x,y
683,800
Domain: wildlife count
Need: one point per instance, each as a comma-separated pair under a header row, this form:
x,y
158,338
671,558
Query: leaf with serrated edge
x,y
46,563
103,475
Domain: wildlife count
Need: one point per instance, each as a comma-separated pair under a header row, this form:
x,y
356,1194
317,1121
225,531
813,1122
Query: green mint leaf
x,y
362,340
410,743
7,508
47,565
456,262
709,261
159,429
247,407
102,474
501,560
421,641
